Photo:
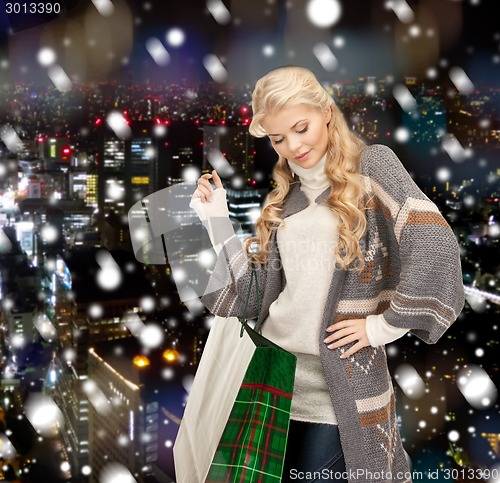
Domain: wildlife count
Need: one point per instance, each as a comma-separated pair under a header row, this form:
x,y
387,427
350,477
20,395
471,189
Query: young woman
x,y
350,255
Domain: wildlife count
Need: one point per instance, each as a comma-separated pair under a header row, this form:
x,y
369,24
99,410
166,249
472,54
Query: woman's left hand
x,y
345,332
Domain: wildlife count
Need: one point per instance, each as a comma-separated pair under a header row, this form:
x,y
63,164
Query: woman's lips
x,y
303,156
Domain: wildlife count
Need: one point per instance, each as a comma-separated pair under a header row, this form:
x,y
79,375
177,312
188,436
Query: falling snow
x,y
10,137
219,11
115,191
43,414
46,56
191,174
109,276
96,397
147,304
116,473
133,323
324,13
454,149
215,68
402,10
410,381
151,336
219,162
477,387
158,51
325,57
461,80
104,7
402,135
95,310
175,37
404,97
187,383
49,233
60,78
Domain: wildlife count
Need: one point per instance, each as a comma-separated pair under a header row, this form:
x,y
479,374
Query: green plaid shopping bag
x,y
253,444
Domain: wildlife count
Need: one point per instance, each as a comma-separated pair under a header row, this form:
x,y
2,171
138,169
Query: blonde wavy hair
x,y
292,85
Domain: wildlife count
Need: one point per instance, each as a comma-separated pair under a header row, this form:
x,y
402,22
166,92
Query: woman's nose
x,y
294,144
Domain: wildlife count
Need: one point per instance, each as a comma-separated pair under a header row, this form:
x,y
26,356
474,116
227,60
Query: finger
x,y
352,350
338,334
206,194
217,180
198,195
344,341
204,182
203,193
205,188
207,191
341,325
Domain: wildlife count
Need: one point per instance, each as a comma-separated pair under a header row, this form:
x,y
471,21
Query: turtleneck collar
x,y
315,177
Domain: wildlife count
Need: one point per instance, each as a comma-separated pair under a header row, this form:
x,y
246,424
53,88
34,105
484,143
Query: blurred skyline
x,y
368,39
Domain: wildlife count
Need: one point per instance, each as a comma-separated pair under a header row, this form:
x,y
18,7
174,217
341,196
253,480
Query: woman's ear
x,y
328,115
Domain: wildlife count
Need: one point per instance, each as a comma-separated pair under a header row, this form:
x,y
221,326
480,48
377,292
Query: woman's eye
x,y
278,142
303,130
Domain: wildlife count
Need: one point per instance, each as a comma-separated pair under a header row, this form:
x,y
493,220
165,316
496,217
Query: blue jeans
x,y
313,454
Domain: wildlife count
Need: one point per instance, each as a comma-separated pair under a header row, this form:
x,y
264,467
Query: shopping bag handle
x,y
243,320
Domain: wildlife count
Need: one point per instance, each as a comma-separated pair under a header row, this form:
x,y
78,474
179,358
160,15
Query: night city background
x,y
106,102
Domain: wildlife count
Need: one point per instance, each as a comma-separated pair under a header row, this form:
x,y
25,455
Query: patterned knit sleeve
x,y
228,285
429,295
226,291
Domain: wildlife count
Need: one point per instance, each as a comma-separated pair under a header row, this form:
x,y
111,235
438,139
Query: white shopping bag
x,y
222,367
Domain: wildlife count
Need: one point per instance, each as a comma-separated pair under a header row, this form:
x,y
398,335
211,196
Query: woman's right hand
x,y
204,190
211,207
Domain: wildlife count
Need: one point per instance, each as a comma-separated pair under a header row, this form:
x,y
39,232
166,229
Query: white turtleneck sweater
x,y
306,243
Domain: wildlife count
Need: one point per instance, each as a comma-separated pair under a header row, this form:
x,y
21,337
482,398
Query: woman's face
x,y
299,133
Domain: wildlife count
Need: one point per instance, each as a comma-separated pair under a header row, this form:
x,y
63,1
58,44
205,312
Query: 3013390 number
x,y
32,7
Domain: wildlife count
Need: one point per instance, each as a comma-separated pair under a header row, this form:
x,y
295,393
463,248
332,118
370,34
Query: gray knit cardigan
x,y
412,275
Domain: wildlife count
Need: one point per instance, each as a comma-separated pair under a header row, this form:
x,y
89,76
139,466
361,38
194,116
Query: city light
x,y
141,361
171,355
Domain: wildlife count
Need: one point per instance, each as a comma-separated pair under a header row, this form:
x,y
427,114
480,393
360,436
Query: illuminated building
x,y
139,169
245,206
115,233
430,121
19,285
54,150
494,441
29,163
114,155
181,147
85,314
34,187
110,184
144,403
24,232
129,167
151,159
78,182
91,190
234,142
69,218
410,80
